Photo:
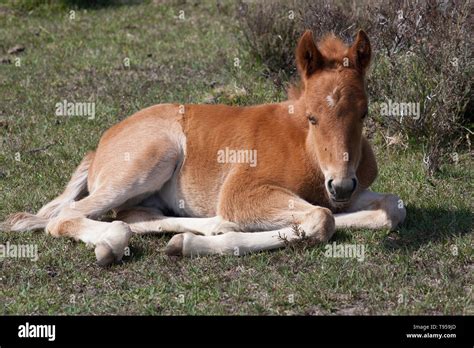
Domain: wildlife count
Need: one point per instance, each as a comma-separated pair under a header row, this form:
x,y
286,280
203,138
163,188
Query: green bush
x,y
421,55
270,29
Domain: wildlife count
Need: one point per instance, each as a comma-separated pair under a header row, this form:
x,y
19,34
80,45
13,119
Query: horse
x,y
233,180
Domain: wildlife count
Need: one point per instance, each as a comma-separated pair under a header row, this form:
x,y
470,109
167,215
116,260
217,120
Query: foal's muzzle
x,y
341,190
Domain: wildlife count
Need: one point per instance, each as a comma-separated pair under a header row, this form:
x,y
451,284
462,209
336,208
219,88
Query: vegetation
x,y
190,57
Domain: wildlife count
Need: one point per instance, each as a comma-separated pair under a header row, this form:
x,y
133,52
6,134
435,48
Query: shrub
x,y
269,31
421,55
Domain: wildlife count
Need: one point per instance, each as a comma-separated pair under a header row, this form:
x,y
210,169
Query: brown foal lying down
x,y
233,180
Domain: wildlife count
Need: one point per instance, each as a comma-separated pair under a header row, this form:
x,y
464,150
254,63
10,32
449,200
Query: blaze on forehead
x,y
331,89
350,95
333,97
341,86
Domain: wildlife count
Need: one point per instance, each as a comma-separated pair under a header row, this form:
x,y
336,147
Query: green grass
x,y
186,61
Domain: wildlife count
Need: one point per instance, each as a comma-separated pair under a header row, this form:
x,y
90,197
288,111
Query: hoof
x,y
175,246
113,243
104,254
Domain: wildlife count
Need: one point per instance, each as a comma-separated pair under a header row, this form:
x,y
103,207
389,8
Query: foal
x,y
162,169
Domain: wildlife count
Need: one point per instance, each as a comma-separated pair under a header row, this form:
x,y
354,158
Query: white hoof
x,y
112,245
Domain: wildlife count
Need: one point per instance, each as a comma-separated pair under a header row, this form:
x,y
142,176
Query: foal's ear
x,y
361,51
308,57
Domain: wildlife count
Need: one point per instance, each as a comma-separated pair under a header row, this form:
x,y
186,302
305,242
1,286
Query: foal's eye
x,y
312,119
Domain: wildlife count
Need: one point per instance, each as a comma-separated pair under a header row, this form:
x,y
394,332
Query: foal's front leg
x,y
275,216
373,210
147,220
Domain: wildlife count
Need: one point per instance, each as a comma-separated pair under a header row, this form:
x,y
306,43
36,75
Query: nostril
x,y
331,187
354,184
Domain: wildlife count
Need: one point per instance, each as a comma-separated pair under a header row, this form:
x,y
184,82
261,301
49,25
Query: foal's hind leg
x,y
120,187
373,210
109,239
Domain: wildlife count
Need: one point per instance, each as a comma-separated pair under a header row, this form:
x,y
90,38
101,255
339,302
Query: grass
x,y
428,260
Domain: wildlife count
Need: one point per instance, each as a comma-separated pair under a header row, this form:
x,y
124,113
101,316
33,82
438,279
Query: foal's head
x,y
333,92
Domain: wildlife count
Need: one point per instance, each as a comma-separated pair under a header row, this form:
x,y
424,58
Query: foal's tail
x,y
75,189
